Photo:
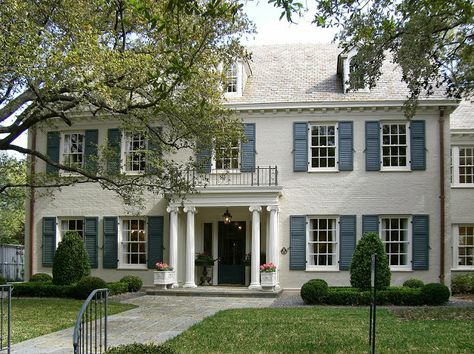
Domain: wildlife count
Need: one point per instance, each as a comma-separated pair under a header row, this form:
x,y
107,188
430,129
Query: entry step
x,y
212,291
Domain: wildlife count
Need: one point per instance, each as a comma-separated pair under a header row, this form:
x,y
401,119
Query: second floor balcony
x,y
262,177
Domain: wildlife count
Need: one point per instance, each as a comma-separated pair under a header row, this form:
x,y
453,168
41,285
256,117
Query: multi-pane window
x,y
395,145
462,159
135,152
133,242
73,149
323,147
72,225
465,246
227,156
395,237
231,77
322,242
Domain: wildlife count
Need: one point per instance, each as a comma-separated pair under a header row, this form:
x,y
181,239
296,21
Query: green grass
x,y
35,317
328,330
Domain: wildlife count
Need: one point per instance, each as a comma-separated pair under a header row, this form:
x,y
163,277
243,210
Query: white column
x,y
190,248
255,261
273,238
174,210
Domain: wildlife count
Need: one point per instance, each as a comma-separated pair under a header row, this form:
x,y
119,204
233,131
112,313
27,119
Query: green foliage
x,y
12,202
314,291
413,283
2,280
117,288
435,294
71,261
41,278
399,296
369,244
88,284
431,41
39,289
133,282
138,61
462,284
140,348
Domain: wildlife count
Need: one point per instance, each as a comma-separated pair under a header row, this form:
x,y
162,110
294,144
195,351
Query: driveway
x,y
157,319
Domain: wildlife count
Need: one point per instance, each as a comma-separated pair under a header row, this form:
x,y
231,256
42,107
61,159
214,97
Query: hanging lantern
x,y
227,217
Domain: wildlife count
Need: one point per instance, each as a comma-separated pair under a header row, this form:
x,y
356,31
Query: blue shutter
x,y
417,145
300,146
114,137
49,241
155,240
154,150
372,146
91,138
347,240
247,148
91,227
203,160
110,257
346,148
52,151
421,242
297,242
370,223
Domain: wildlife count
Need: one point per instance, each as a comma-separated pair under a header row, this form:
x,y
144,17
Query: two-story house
x,y
319,167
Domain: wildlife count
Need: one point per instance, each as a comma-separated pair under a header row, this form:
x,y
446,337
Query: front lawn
x,y
329,330
35,317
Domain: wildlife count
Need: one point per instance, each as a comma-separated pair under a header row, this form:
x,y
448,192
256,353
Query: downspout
x,y
31,225
441,195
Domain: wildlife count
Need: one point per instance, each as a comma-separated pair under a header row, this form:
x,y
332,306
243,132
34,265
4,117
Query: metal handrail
x,y
79,320
9,288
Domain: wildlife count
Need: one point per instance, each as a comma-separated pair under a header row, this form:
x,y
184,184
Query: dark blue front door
x,y
231,269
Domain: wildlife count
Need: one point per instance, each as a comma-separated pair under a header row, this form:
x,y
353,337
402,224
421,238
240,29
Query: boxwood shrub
x,y
41,278
88,284
314,291
71,261
37,289
139,348
117,288
413,283
435,294
133,282
463,284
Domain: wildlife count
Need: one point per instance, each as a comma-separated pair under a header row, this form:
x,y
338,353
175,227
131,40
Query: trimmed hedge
x,y
435,294
134,283
87,285
463,284
139,348
314,291
413,283
71,262
117,288
41,278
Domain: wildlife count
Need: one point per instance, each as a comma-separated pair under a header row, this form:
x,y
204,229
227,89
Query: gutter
x,y
441,195
31,226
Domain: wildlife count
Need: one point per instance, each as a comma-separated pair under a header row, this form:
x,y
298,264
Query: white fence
x,y
12,265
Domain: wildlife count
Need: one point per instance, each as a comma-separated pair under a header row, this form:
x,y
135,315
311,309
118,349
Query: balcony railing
x,y
262,176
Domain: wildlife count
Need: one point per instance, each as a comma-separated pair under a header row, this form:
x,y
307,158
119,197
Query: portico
x,y
194,228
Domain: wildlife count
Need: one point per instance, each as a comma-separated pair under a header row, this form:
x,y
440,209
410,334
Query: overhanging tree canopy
x,y
136,61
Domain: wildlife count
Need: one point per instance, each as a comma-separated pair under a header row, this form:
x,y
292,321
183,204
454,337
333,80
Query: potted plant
x,y
268,275
164,275
204,260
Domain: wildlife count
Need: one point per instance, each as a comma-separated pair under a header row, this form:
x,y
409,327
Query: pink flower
x,y
162,267
268,268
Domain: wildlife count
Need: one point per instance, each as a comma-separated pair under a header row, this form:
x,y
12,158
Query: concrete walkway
x,y
157,319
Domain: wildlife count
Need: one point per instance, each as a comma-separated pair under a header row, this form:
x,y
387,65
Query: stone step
x,y
212,291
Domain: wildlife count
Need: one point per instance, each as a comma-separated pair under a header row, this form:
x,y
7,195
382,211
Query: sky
x,y
271,30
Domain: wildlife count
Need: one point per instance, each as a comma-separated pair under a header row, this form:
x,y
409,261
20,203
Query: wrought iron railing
x,y
90,331
5,317
262,176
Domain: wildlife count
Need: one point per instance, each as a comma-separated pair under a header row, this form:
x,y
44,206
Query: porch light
x,y
227,217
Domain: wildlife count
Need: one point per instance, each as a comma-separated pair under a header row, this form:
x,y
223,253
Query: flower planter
x,y
268,280
163,279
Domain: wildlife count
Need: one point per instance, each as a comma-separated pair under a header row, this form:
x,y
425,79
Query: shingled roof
x,y
463,116
308,73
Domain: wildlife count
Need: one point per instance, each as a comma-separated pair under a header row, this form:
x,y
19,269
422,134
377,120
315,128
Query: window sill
x,y
463,269
322,171
133,173
322,270
395,170
128,267
225,172
401,270
462,186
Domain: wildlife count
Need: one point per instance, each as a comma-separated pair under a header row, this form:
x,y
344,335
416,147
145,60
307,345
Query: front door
x,y
231,269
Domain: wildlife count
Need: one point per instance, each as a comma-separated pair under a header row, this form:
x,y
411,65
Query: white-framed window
x,y
134,152
395,146
133,250
462,160
70,224
396,237
227,156
322,243
323,147
463,238
232,78
72,149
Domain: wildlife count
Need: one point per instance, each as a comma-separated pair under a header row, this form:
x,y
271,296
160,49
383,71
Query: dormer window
x,y
344,69
231,78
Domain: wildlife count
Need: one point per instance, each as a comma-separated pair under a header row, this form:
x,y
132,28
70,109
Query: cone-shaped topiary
x,y
71,261
361,262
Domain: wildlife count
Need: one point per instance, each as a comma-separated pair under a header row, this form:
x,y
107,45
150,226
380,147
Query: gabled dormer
x,y
235,78
344,69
